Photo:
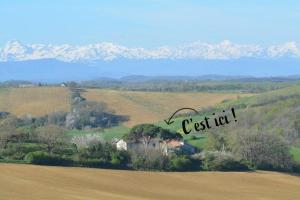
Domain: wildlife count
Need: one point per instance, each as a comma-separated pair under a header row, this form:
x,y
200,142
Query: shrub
x,y
265,151
146,132
153,160
17,151
43,158
120,158
193,137
220,161
180,163
94,163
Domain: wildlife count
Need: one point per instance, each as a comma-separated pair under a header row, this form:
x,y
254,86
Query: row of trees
x,y
178,85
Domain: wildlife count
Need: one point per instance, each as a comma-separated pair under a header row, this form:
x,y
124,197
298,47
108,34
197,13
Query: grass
x,y
115,132
80,132
36,101
29,182
197,141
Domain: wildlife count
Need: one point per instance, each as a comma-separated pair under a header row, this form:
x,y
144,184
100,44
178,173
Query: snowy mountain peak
x,y
16,51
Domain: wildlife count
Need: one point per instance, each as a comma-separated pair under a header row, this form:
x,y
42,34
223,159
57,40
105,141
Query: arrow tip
x,y
169,122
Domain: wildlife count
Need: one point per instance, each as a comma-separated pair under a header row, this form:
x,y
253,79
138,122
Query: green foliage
x,y
195,85
153,160
181,163
43,158
89,114
120,158
92,162
295,151
52,136
218,161
149,131
17,151
264,151
268,126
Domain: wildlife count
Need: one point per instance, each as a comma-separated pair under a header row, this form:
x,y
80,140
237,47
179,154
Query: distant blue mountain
x,y
57,71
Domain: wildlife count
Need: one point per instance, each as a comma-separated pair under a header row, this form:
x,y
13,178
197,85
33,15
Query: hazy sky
x,y
149,23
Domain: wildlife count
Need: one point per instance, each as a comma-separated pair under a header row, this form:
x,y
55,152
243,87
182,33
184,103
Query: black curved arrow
x,y
169,121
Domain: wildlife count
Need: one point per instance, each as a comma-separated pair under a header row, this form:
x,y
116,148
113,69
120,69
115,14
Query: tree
x,y
146,132
89,114
217,141
264,151
8,130
52,136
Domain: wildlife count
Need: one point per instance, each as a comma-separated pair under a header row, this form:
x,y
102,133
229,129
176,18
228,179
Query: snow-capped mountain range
x,y
225,50
55,63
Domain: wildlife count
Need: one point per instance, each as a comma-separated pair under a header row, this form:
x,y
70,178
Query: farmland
x,y
35,101
29,182
149,107
141,107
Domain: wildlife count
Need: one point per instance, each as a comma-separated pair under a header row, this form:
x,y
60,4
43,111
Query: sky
x,y
149,23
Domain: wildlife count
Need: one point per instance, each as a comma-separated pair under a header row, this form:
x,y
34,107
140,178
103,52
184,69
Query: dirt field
x,y
28,182
141,107
149,107
35,101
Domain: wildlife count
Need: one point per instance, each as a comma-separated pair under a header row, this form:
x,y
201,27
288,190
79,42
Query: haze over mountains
x,y
54,63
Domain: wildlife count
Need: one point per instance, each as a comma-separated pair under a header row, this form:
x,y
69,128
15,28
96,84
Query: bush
x,y
180,163
219,161
149,131
17,151
153,160
265,151
296,168
94,163
66,150
43,158
193,137
120,158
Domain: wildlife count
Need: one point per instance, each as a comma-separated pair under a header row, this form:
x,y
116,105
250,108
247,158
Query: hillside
x,y
148,107
141,107
275,112
272,103
36,101
27,182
